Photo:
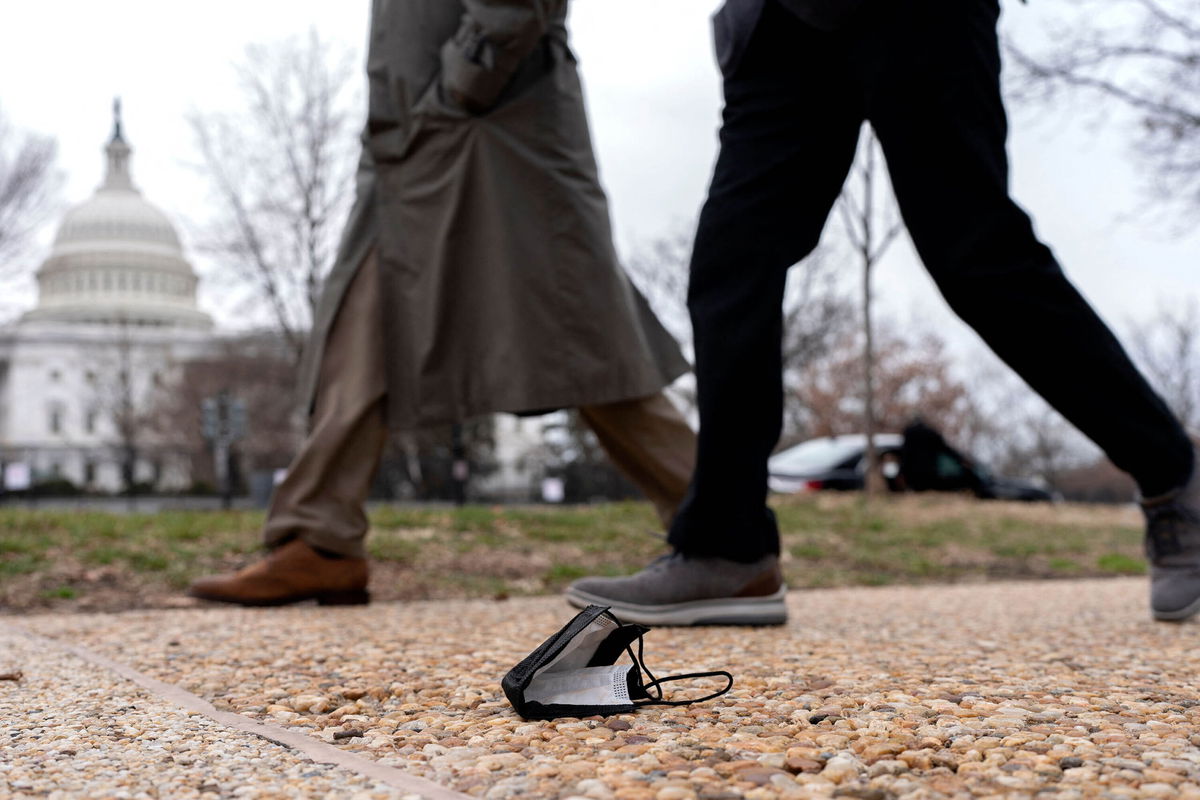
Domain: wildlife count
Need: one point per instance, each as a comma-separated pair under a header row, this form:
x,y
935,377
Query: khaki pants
x,y
321,500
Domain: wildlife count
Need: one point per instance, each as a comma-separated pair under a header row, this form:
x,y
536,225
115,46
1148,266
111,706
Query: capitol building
x,y
96,380
116,315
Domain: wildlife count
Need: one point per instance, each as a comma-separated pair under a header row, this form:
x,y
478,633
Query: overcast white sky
x,y
654,99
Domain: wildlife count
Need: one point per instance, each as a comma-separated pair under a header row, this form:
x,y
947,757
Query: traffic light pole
x,y
460,469
224,422
221,467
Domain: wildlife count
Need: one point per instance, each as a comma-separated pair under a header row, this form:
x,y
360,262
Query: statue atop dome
x,y
116,135
118,152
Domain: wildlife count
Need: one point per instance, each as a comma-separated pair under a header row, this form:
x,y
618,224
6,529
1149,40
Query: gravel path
x,y
1062,689
71,729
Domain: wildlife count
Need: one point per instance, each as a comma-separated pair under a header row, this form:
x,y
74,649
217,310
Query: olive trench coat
x,y
478,184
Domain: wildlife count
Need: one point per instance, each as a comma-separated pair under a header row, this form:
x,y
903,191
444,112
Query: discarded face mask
x,y
574,673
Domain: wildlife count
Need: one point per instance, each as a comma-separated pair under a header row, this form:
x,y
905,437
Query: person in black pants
x,y
801,78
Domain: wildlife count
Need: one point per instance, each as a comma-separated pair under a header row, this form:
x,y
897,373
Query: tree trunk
x,y
871,478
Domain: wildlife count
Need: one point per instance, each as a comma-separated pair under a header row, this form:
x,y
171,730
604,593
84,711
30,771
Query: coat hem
x,y
542,404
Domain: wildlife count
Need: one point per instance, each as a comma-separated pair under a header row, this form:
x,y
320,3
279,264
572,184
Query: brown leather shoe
x,y
291,573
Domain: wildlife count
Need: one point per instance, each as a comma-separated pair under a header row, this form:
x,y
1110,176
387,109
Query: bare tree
x,y
659,268
1168,349
1014,430
1039,443
420,464
569,450
818,314
29,192
1019,434
281,169
914,375
815,307
1143,55
126,378
121,404
872,224
250,368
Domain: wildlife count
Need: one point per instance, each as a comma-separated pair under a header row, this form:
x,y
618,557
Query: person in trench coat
x,y
477,274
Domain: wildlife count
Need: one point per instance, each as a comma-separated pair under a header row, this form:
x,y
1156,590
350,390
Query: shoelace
x,y
662,561
656,535
654,686
1164,523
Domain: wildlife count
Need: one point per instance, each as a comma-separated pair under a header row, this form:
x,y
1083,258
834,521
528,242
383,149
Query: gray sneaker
x,y
677,590
1173,549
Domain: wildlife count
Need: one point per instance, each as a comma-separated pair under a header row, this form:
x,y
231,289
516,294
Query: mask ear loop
x,y
655,684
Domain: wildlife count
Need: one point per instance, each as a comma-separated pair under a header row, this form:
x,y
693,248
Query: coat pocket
x,y
438,102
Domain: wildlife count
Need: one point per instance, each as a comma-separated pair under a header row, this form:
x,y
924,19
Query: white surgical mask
x,y
574,673
590,686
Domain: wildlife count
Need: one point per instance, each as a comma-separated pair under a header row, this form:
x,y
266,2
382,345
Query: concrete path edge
x,y
318,751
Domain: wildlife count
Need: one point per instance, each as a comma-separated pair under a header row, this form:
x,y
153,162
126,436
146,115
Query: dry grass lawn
x,y
94,561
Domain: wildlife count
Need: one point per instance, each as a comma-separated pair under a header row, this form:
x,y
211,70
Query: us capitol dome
x,y
113,330
117,259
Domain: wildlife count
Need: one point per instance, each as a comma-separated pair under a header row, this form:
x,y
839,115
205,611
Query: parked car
x,y
831,462
838,463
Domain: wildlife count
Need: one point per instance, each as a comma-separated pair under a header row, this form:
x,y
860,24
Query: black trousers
x,y
926,75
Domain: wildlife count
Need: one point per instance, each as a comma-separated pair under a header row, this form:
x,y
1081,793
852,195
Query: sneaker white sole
x,y
1173,616
768,610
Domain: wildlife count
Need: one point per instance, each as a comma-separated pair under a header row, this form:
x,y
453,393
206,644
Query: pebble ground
x,y
72,730
1054,689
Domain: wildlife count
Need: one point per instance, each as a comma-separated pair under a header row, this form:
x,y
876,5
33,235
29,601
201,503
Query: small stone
x,y
675,793
309,702
1070,762
861,792
352,733
887,767
594,789
774,760
799,764
842,768
757,775
875,752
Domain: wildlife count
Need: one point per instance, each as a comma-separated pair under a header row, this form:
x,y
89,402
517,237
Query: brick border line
x,y
318,751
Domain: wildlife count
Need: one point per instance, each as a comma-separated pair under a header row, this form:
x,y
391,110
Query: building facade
x,y
116,314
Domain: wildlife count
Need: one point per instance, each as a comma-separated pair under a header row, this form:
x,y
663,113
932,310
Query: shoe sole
x,y
356,597
767,610
1179,615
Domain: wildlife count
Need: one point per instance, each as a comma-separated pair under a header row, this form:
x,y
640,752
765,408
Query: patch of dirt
x,y
497,564
90,588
